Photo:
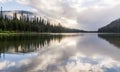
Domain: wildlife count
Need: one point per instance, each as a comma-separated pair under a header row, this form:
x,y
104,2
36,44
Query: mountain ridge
x,y
114,26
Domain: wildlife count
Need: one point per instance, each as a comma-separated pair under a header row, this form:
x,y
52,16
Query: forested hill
x,y
114,26
24,23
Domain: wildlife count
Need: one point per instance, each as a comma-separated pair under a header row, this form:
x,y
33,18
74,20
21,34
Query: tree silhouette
x,y
24,24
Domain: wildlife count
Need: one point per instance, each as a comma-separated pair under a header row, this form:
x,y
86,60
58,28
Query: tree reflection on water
x,y
113,39
26,43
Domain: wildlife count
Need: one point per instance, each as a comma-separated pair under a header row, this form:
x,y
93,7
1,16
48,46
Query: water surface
x,y
82,52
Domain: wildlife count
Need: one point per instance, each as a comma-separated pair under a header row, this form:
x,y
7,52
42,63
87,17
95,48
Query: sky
x,y
79,14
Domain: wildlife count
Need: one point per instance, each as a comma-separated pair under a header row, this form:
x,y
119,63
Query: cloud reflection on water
x,y
85,53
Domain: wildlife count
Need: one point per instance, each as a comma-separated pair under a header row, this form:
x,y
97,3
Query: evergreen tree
x,y
26,24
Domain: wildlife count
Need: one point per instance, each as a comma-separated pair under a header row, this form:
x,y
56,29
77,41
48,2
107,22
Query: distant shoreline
x,y
13,33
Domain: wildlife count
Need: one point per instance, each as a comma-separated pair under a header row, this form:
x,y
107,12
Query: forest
x,y
26,24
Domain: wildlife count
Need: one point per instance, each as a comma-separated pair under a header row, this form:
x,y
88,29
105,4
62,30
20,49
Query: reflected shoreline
x,y
60,53
26,43
113,39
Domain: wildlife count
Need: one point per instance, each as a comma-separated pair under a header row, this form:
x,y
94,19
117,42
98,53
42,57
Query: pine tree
x,y
24,23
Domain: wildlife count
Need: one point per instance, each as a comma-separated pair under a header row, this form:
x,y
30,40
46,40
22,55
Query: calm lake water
x,y
82,52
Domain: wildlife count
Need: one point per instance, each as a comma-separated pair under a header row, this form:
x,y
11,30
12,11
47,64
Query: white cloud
x,y
26,2
88,14
111,2
72,54
6,64
4,1
93,18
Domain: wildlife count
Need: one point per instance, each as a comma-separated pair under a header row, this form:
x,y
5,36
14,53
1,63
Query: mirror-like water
x,y
60,53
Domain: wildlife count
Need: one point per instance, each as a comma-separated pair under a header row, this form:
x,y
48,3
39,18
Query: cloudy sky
x,y
80,14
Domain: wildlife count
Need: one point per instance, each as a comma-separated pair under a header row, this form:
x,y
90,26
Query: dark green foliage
x,y
24,43
24,24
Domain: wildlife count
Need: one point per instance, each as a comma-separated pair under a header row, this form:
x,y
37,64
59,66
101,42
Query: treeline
x,y
26,43
26,24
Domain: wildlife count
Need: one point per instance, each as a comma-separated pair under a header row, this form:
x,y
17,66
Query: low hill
x,y
113,27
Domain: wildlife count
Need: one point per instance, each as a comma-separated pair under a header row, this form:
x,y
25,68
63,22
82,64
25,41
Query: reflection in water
x,y
25,43
70,53
111,38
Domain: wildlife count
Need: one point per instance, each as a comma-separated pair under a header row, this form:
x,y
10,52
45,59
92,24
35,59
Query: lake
x,y
82,52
